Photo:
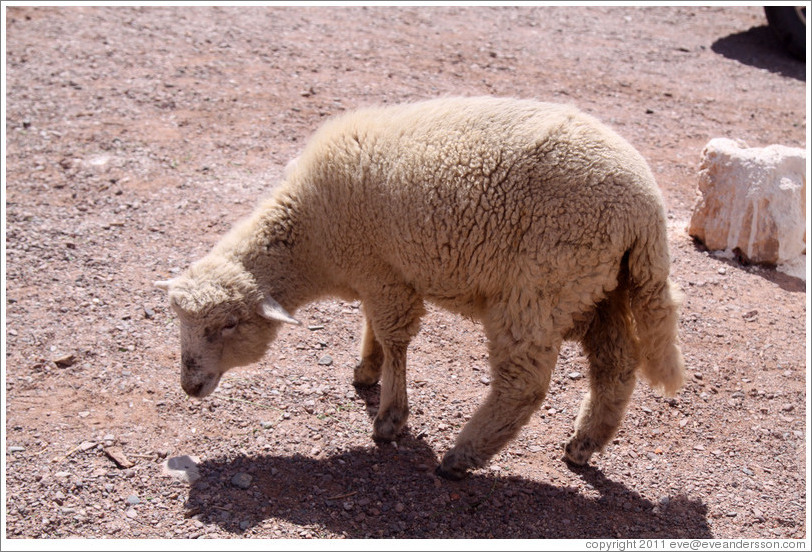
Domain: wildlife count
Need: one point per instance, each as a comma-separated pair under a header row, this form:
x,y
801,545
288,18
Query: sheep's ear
x,y
272,310
163,284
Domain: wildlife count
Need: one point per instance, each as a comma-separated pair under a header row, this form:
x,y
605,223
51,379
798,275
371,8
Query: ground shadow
x,y
391,492
758,47
768,272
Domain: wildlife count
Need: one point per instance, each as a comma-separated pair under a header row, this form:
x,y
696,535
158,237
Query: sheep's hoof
x,y
456,463
454,474
365,375
386,427
579,451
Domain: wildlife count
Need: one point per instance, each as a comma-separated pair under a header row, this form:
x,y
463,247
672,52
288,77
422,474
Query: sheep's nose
x,y
192,389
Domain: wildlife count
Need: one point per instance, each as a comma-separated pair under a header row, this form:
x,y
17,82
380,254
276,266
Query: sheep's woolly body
x,y
533,218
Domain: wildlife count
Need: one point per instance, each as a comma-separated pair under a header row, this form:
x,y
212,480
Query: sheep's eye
x,y
229,327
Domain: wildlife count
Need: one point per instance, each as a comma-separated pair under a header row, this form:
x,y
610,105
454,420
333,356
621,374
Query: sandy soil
x,y
137,136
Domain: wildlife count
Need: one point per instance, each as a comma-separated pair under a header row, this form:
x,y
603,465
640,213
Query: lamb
x,y
533,218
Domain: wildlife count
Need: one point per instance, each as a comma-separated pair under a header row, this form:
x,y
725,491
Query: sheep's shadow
x,y
392,492
758,47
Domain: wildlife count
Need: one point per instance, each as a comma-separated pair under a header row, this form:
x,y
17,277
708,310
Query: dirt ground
x,y
136,136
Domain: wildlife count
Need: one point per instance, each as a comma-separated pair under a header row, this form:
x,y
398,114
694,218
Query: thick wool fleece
x,y
534,218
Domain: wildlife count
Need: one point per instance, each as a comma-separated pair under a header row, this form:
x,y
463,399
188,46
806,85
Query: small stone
x,y
699,447
183,468
149,314
485,380
84,414
315,327
132,500
266,425
64,360
399,507
117,455
722,270
245,524
84,446
242,480
15,449
574,375
62,474
131,513
788,407
326,360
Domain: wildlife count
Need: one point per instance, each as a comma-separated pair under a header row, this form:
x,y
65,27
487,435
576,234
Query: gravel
x,y
136,136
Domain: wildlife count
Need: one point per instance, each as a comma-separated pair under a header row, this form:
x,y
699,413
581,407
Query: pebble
x,y
574,375
64,360
484,380
242,480
266,425
131,513
183,468
15,449
326,360
399,507
132,500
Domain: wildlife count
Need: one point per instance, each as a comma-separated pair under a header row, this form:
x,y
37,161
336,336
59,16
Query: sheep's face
x,y
224,322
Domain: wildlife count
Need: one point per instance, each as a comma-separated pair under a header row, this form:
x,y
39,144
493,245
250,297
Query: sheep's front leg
x,y
520,379
368,371
612,351
394,318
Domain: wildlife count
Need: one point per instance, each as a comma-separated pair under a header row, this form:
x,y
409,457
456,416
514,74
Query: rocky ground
x,y
137,135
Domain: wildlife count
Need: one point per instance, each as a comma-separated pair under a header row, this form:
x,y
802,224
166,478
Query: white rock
x,y
183,468
751,201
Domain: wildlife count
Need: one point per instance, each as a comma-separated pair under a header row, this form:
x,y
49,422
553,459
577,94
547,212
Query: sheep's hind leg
x,y
394,319
612,350
520,379
368,371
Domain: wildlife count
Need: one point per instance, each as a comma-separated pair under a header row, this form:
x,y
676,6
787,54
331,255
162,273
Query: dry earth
x,y
137,135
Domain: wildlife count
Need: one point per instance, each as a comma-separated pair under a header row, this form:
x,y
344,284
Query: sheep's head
x,y
225,321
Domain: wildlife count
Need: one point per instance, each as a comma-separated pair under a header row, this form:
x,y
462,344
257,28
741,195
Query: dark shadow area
x,y
768,272
391,492
758,47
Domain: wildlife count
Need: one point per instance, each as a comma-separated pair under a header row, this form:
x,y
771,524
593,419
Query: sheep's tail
x,y
655,302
